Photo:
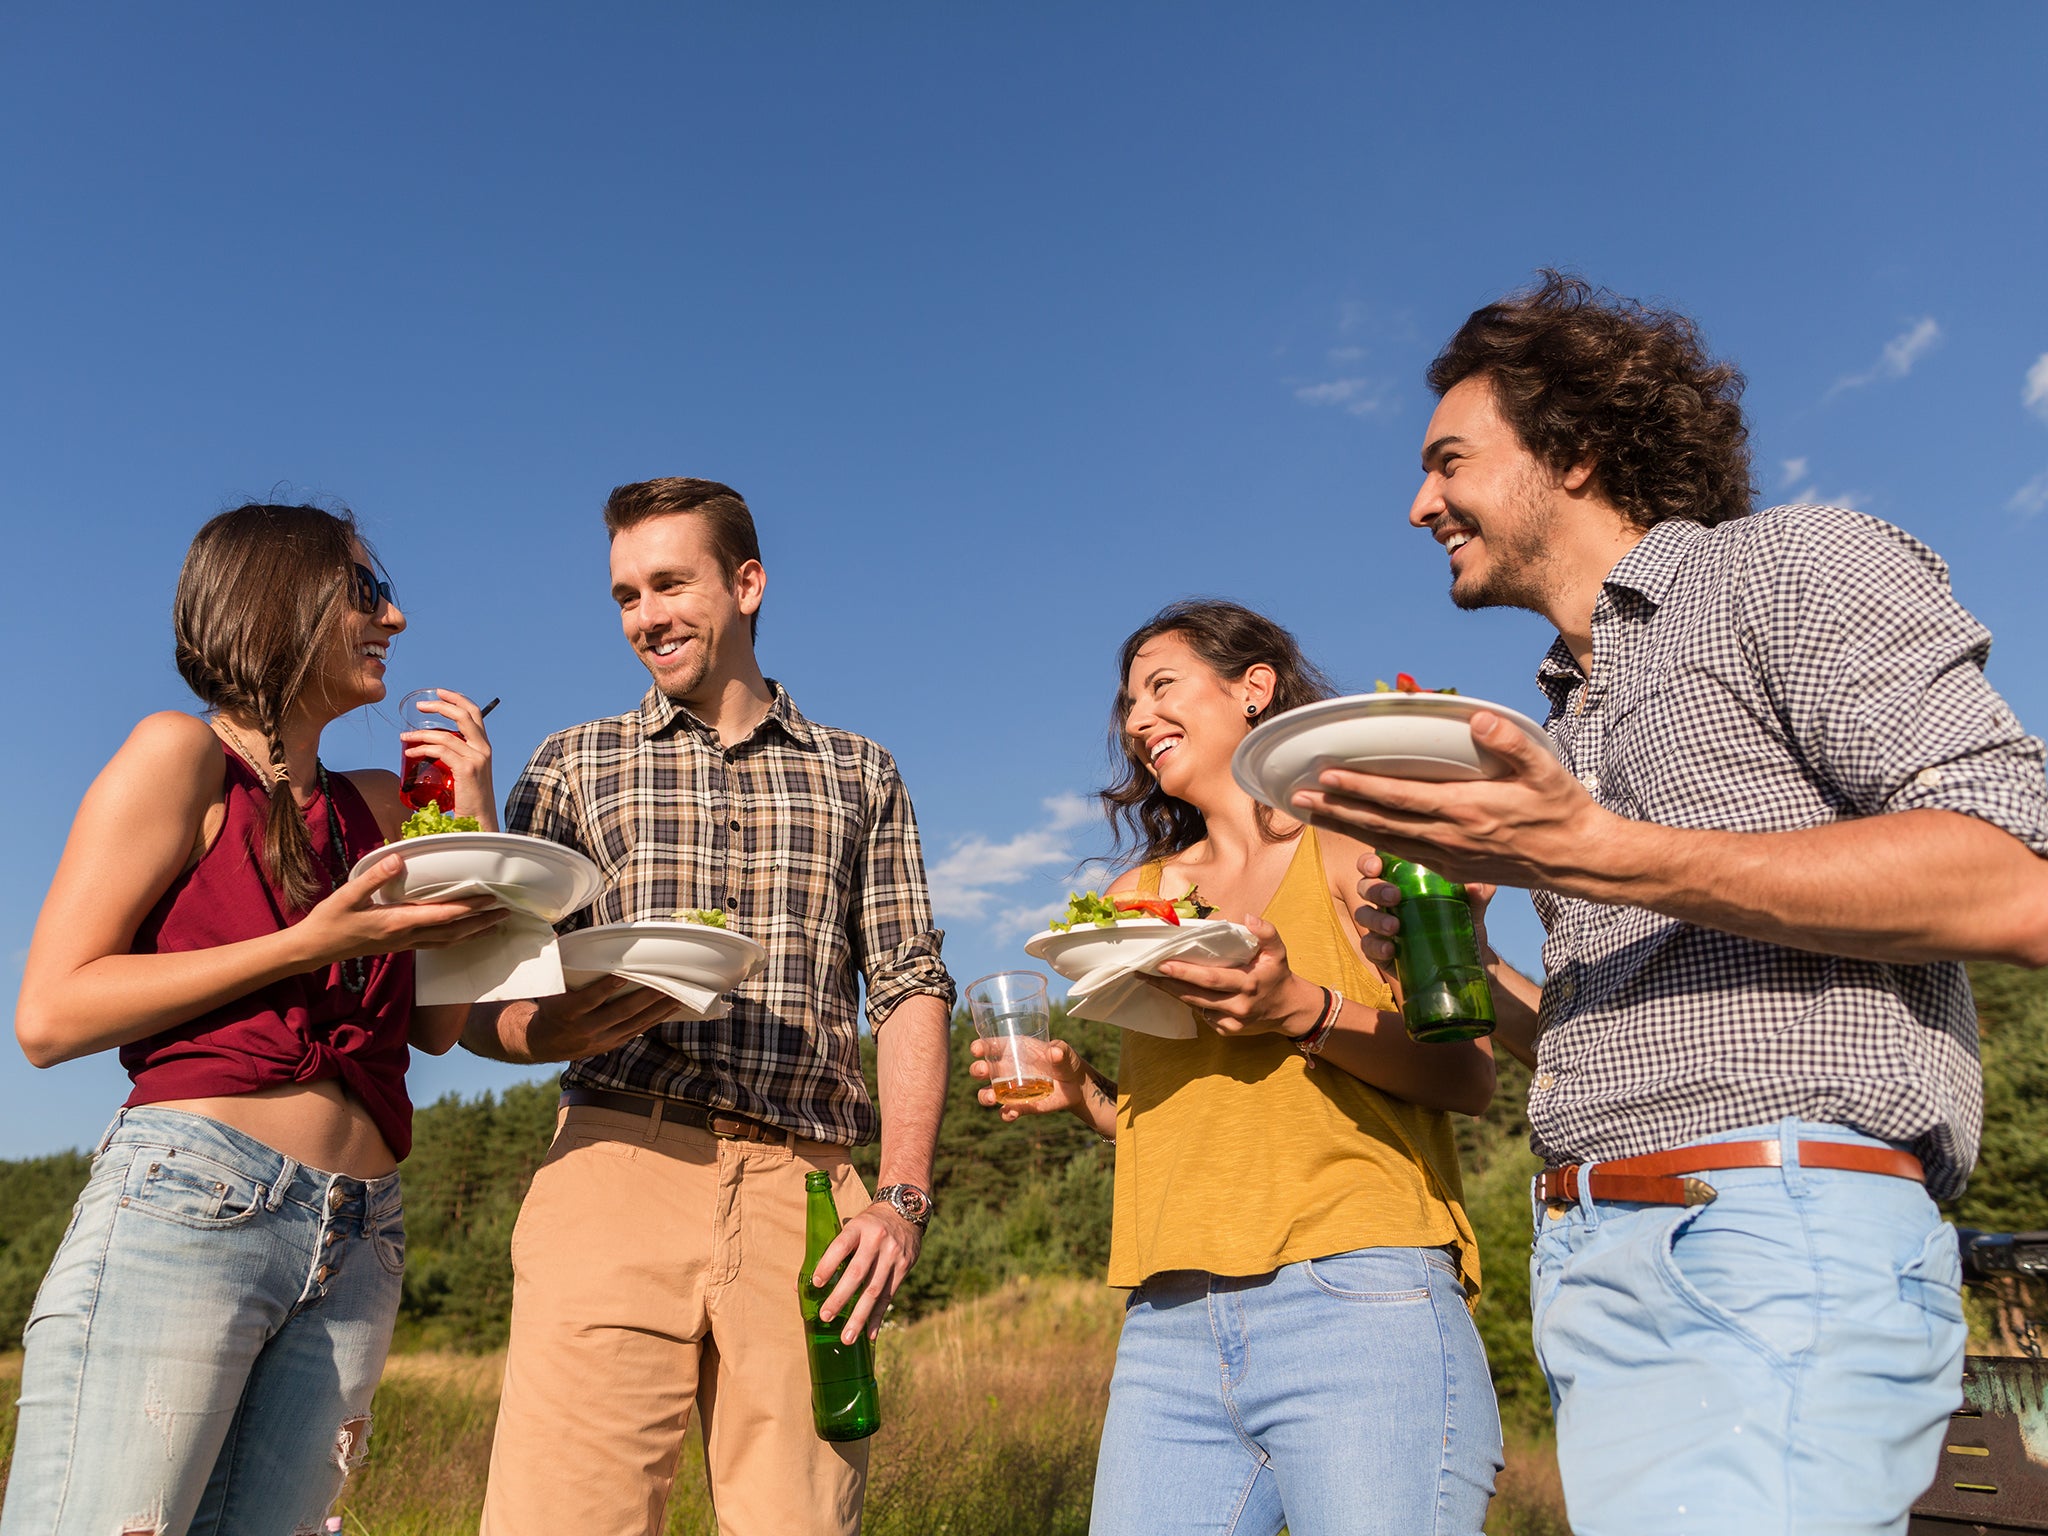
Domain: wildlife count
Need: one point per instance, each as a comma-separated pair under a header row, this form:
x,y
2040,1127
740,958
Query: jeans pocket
x,y
1372,1275
1933,1281
1743,1279
191,1190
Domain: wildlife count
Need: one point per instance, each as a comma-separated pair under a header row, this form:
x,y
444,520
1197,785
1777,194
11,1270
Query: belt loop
x,y
115,1125
285,1175
1587,1209
653,1121
1788,1156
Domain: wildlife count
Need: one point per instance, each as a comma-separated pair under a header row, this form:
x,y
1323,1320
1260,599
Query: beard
x,y
682,682
1517,572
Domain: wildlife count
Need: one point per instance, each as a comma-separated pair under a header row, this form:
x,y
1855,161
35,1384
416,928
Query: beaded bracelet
x,y
1311,1044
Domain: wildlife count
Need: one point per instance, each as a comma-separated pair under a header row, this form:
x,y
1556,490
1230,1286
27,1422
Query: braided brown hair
x,y
1230,639
261,598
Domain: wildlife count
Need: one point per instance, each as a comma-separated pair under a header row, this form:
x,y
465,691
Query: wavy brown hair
x,y
1230,640
1582,374
261,599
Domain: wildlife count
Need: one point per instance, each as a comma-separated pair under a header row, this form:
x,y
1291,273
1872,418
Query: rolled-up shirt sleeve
x,y
895,944
1879,677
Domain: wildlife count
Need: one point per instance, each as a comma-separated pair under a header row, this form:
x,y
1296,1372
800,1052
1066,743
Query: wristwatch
x,y
914,1205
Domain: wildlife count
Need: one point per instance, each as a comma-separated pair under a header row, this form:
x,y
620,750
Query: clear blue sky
x,y
1011,328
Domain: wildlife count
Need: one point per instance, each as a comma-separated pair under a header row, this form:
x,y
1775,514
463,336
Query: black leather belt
x,y
727,1124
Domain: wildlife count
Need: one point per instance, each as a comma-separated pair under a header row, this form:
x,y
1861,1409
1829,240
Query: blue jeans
x,y
1345,1396
1783,1359
202,1352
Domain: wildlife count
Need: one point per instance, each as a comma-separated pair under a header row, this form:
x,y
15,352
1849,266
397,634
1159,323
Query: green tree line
x,y
1030,1198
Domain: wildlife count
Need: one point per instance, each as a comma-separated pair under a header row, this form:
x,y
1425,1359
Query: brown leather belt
x,y
728,1124
1657,1179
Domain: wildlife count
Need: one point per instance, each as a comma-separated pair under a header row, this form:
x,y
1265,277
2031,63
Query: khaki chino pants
x,y
654,1268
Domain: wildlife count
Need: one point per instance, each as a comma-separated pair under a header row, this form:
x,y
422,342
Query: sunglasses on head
x,y
369,593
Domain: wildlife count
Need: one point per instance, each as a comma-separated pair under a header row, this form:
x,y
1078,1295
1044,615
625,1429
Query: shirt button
x,y
324,1273
1927,778
1591,781
735,826
733,902
1545,1081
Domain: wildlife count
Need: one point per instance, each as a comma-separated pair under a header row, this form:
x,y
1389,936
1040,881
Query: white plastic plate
x,y
1397,735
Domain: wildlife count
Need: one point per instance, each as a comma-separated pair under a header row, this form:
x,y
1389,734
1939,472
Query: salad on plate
x,y
431,821
1087,908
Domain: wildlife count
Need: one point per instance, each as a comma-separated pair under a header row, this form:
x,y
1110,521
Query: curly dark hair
x,y
1230,639
1581,374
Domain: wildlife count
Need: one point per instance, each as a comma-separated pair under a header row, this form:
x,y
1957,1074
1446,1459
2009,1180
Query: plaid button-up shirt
x,y
804,835
1795,667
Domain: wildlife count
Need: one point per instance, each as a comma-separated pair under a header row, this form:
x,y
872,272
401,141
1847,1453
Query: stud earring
x,y
1251,711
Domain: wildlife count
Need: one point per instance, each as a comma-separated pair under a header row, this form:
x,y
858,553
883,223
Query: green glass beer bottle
x,y
845,1403
1444,992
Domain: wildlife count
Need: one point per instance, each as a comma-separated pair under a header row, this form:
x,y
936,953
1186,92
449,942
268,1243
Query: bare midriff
x,y
317,1124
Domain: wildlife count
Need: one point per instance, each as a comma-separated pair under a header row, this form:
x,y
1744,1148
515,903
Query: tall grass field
x,y
991,1408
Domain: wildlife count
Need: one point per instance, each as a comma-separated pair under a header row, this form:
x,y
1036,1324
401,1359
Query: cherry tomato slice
x,y
1151,908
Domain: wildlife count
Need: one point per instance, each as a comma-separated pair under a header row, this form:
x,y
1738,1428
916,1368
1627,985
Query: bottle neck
x,y
1413,879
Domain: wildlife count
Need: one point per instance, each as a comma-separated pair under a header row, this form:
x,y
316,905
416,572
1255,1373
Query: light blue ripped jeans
x,y
203,1350
1782,1360
1342,1396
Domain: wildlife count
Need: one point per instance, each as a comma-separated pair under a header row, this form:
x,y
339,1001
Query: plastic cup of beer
x,y
1010,1011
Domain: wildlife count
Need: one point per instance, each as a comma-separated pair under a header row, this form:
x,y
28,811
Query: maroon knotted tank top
x,y
302,1029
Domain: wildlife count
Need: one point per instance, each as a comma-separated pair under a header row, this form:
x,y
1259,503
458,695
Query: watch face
x,y
914,1203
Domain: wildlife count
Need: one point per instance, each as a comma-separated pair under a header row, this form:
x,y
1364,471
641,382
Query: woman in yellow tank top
x,y
1298,1347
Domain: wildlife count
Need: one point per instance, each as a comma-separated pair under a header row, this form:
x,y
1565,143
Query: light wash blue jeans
x,y
1345,1396
203,1350
1783,1359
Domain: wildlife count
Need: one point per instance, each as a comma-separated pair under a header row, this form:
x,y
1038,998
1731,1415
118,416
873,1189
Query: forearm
x,y
1517,1007
497,1032
1911,888
910,1068
435,1030
1096,1106
117,999
1375,1047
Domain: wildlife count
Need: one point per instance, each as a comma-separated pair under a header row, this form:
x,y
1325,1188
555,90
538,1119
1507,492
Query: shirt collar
x,y
659,713
1649,568
1646,573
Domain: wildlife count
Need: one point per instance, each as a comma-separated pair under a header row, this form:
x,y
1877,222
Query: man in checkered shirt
x,y
655,1260
1784,806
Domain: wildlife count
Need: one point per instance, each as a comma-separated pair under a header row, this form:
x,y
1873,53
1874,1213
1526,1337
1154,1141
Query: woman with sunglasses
x,y
203,1349
1298,1348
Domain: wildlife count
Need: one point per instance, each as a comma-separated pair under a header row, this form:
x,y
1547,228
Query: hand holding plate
x,y
1532,827
1263,995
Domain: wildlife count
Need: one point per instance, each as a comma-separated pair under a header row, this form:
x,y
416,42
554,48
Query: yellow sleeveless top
x,y
1233,1157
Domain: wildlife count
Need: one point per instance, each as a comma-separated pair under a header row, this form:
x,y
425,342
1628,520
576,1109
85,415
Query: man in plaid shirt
x,y
656,1254
1785,805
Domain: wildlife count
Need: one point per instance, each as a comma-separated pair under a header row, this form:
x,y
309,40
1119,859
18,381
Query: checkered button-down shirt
x,y
804,835
1795,667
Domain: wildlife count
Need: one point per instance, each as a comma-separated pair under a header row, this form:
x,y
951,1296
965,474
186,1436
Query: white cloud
x,y
1359,397
1346,354
1900,354
965,882
2031,499
2035,394
1810,493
